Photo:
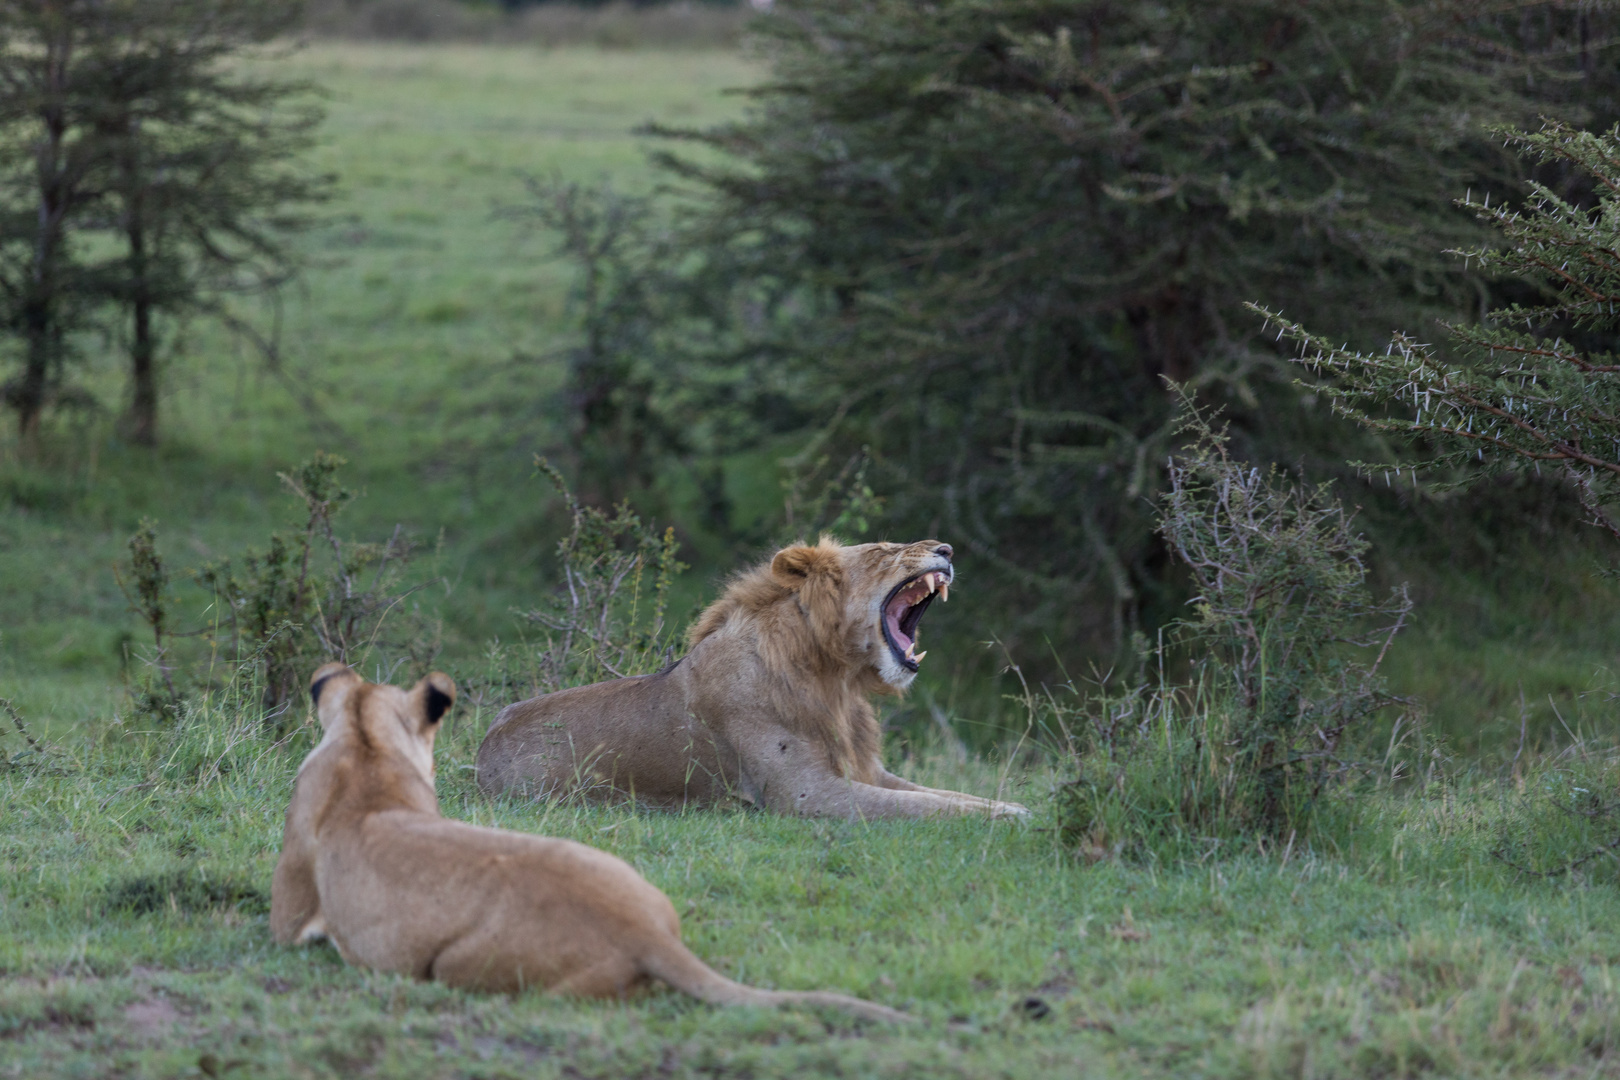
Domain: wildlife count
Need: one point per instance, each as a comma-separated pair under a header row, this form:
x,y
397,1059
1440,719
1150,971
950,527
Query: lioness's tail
x,y
674,963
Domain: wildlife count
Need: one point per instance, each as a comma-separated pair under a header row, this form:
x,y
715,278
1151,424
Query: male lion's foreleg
x,y
972,804
792,775
834,796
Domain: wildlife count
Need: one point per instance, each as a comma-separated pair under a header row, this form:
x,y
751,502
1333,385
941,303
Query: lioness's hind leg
x,y
612,976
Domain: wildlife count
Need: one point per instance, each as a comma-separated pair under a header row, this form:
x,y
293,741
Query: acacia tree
x,y
48,154
124,126
1535,384
202,162
974,236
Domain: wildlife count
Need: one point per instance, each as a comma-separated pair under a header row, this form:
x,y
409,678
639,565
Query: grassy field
x,y
134,899
135,865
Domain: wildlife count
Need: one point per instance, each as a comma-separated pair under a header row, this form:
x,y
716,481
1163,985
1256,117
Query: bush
x,y
1504,399
1534,385
1255,741
279,613
606,619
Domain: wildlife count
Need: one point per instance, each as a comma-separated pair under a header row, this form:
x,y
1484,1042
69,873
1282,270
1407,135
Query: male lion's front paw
x,y
1008,811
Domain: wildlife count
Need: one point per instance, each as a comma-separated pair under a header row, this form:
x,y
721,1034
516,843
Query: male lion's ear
x,y
438,692
816,575
794,565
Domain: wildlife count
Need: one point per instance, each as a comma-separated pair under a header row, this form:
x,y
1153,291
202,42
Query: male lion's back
x,y
624,737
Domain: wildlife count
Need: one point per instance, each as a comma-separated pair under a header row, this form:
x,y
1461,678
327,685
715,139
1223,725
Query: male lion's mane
x,y
817,683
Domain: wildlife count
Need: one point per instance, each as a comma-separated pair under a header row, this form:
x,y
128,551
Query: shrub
x,y
606,619
280,612
1533,385
1255,740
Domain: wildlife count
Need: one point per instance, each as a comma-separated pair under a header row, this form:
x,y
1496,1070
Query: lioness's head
x,y
871,596
403,721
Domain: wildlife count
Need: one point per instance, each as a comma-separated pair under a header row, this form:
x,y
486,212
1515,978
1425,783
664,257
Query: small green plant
x,y
280,612
1283,618
845,505
608,618
145,584
34,753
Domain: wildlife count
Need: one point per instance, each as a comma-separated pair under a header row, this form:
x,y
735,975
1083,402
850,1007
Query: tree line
x,y
958,249
147,175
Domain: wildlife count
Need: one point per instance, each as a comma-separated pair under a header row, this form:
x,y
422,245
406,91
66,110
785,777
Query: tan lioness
x,y
367,862
770,704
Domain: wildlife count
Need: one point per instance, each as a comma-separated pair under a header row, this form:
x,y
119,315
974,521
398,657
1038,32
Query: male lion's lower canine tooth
x,y
918,658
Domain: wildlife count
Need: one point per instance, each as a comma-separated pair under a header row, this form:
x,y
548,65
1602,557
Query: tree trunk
x,y
143,345
143,421
41,314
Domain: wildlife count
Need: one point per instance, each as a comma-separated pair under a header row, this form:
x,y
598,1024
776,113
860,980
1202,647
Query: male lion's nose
x,y
945,550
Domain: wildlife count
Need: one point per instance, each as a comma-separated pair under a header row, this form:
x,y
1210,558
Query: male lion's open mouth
x,y
904,609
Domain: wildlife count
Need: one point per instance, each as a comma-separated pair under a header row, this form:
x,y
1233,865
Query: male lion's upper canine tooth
x,y
944,592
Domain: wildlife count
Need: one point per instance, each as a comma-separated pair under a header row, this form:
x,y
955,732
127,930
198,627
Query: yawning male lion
x,y
770,704
367,861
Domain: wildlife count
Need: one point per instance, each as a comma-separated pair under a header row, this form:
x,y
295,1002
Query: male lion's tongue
x,y
891,619
897,608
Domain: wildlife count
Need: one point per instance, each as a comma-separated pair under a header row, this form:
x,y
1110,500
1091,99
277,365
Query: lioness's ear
x,y
328,689
793,566
437,692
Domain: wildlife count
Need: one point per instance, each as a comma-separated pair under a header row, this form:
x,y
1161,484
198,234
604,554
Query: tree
x,y
203,168
976,236
49,156
143,134
1535,384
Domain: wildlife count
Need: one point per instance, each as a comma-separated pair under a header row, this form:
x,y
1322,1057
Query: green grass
x,y
135,888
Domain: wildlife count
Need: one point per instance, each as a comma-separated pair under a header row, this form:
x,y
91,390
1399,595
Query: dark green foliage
x,y
1535,384
974,237
618,436
146,587
1256,740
